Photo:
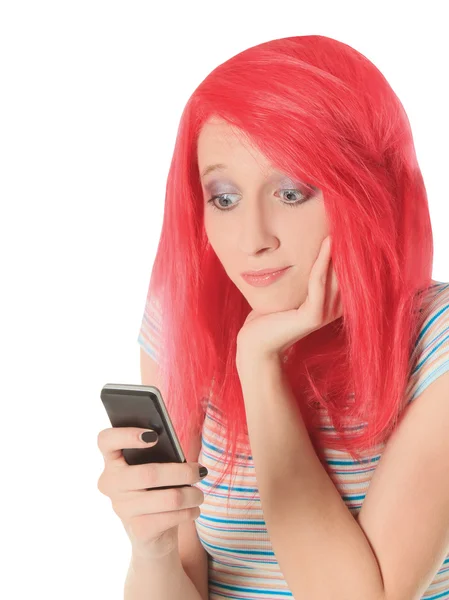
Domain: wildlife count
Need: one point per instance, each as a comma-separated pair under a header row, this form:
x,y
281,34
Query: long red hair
x,y
322,113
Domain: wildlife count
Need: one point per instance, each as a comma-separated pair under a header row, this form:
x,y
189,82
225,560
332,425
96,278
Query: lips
x,y
263,272
263,280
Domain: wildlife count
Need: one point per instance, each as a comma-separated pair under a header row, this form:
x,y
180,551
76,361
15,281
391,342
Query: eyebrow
x,y
221,167
207,170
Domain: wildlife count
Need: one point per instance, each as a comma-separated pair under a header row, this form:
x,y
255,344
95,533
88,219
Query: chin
x,y
265,306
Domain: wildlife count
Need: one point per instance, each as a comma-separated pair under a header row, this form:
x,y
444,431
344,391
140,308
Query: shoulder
x,y
430,356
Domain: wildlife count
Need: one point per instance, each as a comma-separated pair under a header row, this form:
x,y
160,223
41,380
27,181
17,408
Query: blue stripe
x,y
242,551
418,366
423,331
148,349
240,521
236,588
430,378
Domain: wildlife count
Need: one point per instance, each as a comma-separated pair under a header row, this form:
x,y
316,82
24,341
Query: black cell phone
x,y
130,405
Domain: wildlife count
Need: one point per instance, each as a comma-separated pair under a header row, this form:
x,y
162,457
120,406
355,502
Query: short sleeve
x,y
149,337
431,352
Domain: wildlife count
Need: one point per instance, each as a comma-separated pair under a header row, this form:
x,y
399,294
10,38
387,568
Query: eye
x,y
219,197
303,196
289,193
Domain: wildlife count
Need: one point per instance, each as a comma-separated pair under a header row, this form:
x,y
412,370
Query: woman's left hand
x,y
271,334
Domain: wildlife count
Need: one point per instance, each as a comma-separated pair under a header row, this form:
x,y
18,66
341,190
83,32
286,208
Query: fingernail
x,y
203,472
149,436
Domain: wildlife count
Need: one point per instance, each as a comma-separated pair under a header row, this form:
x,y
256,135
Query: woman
x,y
297,154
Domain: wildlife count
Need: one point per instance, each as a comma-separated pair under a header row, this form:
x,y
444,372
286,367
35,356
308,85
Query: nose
x,y
256,228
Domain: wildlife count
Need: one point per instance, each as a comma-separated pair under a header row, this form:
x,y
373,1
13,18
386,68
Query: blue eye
x,y
304,198
297,201
219,196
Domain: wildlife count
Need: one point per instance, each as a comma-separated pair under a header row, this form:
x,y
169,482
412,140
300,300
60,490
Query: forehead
x,y
220,142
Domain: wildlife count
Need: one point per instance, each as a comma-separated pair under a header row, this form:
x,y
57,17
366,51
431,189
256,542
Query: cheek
x,y
305,234
217,230
210,224
219,239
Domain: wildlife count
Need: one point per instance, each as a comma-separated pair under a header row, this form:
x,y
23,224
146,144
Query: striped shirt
x,y
233,532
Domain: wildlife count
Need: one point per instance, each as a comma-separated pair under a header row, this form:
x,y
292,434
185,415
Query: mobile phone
x,y
130,405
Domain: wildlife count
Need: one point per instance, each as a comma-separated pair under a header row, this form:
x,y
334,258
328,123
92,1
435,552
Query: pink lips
x,y
262,280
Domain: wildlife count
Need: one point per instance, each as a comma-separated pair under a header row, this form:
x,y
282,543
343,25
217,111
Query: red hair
x,y
321,112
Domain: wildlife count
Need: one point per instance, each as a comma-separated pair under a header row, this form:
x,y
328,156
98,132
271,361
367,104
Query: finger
x,y
332,292
138,503
153,475
333,303
333,287
319,276
111,441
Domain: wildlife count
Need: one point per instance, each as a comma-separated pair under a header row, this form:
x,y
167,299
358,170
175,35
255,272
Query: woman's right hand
x,y
150,517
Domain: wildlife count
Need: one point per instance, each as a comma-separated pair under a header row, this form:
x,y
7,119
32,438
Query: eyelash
x,y
291,204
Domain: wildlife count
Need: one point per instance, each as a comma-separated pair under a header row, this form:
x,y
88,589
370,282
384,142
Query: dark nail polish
x,y
203,472
149,436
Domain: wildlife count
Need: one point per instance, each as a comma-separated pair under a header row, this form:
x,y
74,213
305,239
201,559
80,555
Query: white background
x,y
90,100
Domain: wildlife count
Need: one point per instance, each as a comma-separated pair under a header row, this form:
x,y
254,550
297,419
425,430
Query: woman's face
x,y
265,220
